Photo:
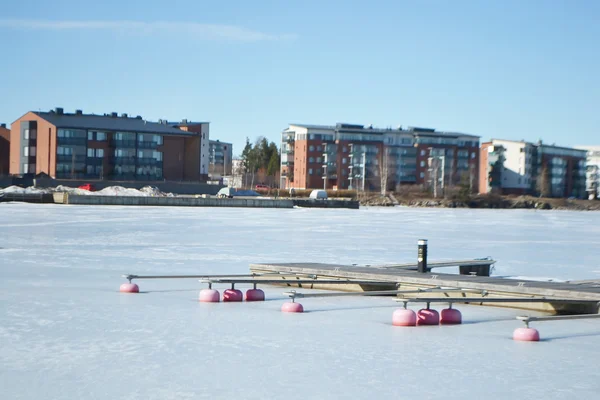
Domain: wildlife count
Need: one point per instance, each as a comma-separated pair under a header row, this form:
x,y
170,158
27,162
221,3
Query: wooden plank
x,y
295,281
294,294
440,264
130,277
490,300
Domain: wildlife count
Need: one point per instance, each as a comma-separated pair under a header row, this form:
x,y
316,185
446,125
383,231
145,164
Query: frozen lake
x,y
66,332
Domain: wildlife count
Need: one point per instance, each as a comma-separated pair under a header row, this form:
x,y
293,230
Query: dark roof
x,y
367,129
109,123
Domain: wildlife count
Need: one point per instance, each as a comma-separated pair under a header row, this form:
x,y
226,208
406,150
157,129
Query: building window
x,y
311,159
26,151
311,148
343,161
319,148
473,155
312,136
26,135
99,153
344,149
100,136
422,152
319,159
422,174
422,164
90,152
310,171
90,135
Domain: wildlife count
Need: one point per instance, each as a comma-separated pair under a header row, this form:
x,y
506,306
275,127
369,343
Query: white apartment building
x,y
517,174
592,178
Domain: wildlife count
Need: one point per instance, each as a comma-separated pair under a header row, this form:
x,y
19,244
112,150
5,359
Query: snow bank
x,y
20,190
146,191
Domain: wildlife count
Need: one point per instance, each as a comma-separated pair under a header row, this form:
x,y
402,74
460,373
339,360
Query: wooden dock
x,y
570,298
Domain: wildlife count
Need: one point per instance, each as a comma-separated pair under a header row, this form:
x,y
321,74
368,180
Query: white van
x,y
318,194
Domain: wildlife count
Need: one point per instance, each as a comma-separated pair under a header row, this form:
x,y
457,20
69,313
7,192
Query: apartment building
x,y
350,156
220,158
592,181
519,167
4,149
108,147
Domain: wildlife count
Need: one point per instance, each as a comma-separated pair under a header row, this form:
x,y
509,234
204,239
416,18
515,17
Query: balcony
x,y
123,160
148,162
144,145
128,144
70,158
73,141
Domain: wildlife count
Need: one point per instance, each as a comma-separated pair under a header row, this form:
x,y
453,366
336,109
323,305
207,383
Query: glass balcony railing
x,y
70,158
127,144
146,145
123,160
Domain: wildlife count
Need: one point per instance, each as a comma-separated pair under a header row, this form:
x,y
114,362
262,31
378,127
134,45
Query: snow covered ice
x,y
66,332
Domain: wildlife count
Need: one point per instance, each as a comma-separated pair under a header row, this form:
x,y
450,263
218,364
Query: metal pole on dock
x,y
422,256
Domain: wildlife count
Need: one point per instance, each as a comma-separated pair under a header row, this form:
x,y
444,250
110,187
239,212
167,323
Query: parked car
x,y
264,187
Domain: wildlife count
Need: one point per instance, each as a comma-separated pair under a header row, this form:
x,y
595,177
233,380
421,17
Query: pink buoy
x,y
255,295
209,296
404,317
428,316
450,316
526,335
292,307
232,295
129,288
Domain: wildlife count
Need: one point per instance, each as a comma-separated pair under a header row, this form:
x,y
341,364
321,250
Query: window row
x,y
71,133
28,168
98,136
97,153
30,134
29,151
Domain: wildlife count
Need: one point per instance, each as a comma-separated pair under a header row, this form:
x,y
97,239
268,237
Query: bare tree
x,y
542,183
386,170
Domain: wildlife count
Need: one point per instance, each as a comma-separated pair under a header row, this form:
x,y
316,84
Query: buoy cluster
x,y
211,295
426,316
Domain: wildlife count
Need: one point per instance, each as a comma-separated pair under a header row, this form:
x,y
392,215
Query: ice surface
x,y
66,332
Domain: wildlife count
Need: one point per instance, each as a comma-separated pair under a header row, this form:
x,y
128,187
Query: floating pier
x,y
555,297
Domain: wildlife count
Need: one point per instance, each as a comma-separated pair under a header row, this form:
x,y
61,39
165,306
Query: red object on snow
x,y
88,187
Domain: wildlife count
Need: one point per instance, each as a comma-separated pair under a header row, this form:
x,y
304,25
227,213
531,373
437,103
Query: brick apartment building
x,y
4,149
108,147
348,156
519,167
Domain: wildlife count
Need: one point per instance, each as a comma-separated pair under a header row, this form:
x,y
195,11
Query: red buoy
x,y
232,295
292,307
255,295
526,335
129,288
427,316
450,316
404,317
209,296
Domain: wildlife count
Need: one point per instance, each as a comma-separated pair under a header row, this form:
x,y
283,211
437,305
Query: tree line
x,y
261,161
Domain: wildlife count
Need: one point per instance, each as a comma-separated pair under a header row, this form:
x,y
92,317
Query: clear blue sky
x,y
502,69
